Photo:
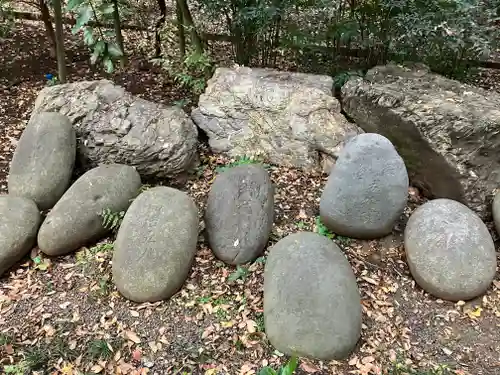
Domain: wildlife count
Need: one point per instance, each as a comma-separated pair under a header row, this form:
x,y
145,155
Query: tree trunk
x,y
61,59
49,29
118,33
159,25
188,22
182,35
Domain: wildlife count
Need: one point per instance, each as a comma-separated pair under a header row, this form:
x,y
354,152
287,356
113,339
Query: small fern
x,y
112,220
288,369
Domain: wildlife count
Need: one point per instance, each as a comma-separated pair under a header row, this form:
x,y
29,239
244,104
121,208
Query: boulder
x,y
76,219
19,222
292,119
449,250
155,245
367,189
113,126
496,211
312,306
43,162
445,130
239,213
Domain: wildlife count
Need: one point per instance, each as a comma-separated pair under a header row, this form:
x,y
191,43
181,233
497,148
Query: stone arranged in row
x,y
239,213
43,161
449,250
367,189
312,305
76,219
156,245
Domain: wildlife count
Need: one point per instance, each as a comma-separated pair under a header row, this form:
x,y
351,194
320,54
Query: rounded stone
x,y
76,219
155,245
239,213
449,250
43,162
312,305
367,189
19,223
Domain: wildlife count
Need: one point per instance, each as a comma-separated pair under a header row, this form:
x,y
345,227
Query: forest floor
x,y
60,315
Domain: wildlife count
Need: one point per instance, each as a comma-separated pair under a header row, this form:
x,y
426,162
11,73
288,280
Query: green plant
x,y
36,358
104,43
322,229
104,285
340,79
99,349
5,339
240,273
242,160
260,322
112,220
287,369
6,18
19,369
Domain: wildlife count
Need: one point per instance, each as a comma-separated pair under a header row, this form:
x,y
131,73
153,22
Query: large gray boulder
x,y
113,126
156,245
445,130
312,306
290,118
449,250
239,213
19,222
367,189
76,219
43,162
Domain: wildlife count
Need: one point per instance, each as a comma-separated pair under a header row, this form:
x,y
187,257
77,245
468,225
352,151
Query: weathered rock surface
x,y
312,306
496,211
449,250
43,162
239,213
156,245
19,223
446,131
113,126
76,218
290,118
367,189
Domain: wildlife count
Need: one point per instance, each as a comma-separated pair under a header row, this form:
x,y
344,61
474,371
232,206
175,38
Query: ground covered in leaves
x,y
63,314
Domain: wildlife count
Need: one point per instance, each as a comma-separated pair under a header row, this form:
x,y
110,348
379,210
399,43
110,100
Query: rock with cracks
x,y
19,222
156,245
367,189
312,306
290,118
43,162
446,131
77,218
449,250
113,126
239,213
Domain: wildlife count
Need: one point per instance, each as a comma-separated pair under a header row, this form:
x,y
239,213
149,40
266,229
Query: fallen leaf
x,y
309,367
132,336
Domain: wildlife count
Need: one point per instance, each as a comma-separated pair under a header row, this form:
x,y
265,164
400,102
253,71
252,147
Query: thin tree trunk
x,y
182,35
49,29
159,25
61,59
118,33
188,22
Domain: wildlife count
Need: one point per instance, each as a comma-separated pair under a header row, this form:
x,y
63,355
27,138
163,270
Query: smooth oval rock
x,y
19,223
76,218
155,245
495,210
239,213
312,305
43,162
367,189
449,250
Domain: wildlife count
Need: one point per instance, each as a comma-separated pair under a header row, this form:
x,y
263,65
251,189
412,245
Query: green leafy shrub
x,y
288,369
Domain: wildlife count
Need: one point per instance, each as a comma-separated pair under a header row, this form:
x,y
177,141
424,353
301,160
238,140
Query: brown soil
x,y
63,306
